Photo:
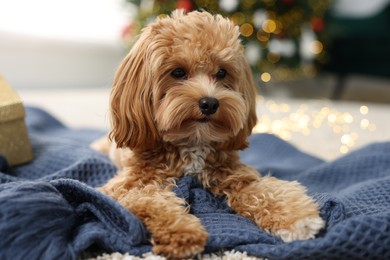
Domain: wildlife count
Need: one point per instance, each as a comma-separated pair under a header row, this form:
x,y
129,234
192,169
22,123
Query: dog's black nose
x,y
208,105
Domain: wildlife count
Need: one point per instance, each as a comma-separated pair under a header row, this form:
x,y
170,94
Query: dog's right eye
x,y
179,73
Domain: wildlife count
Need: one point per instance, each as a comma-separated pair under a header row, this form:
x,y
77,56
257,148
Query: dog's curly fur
x,y
183,103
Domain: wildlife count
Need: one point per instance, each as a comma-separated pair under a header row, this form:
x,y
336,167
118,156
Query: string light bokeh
x,y
310,118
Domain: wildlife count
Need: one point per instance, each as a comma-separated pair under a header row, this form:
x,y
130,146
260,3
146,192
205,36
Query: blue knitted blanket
x,y
49,208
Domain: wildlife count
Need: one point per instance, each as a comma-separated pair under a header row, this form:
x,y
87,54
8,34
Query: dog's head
x,y
185,81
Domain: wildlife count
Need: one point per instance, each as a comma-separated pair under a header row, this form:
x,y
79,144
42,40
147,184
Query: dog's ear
x,y
248,90
249,93
132,117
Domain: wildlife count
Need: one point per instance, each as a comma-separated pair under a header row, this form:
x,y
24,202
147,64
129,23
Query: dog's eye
x,y
179,73
221,74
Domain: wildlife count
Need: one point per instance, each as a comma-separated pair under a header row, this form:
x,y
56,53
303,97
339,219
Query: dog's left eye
x,y
179,73
221,74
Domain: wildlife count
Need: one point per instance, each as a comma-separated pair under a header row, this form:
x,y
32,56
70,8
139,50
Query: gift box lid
x,y
11,106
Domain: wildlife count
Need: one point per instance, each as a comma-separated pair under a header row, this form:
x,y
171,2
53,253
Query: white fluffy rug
x,y
227,255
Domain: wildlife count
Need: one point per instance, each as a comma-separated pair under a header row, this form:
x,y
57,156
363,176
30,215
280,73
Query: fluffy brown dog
x,y
183,103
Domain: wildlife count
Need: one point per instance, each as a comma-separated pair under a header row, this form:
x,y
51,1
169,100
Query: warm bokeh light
x,y
364,110
265,77
246,29
316,47
269,26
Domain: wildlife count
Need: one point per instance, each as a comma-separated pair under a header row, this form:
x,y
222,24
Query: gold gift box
x,y
14,142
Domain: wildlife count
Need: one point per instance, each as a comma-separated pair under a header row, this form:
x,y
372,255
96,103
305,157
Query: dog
x,y
183,104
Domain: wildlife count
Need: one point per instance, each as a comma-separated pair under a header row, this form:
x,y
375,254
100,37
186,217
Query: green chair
x,y
358,46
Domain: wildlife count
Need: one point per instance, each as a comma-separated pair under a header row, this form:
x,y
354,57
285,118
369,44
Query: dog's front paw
x,y
180,244
281,208
302,229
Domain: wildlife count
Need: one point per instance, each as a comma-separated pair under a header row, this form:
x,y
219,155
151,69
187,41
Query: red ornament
x,y
186,5
317,24
128,31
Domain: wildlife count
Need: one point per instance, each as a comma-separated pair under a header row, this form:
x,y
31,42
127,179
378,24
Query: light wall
x,y
61,43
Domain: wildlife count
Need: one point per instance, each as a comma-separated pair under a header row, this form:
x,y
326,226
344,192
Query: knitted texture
x,y
49,208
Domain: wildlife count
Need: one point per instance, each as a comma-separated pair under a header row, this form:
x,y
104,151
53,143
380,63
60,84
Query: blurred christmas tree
x,y
282,38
